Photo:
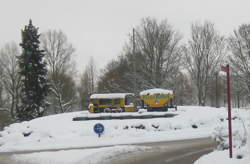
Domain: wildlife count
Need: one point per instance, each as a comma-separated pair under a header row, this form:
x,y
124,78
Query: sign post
x,y
226,69
98,129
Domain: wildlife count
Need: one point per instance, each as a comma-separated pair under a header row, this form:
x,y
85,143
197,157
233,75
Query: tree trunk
x,y
216,91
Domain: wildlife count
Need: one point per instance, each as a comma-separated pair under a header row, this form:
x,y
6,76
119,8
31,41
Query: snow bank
x,y
240,126
240,139
59,131
156,91
221,157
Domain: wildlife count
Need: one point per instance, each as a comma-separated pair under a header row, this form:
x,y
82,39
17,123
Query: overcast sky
x,y
99,28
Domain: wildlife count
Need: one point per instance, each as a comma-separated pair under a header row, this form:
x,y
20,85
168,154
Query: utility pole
x,y
134,58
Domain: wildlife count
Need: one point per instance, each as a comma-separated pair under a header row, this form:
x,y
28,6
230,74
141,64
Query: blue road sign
x,y
98,128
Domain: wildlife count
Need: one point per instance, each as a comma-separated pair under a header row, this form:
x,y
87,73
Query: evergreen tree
x,y
33,74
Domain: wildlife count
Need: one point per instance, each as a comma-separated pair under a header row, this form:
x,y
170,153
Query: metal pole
x,y
229,112
134,58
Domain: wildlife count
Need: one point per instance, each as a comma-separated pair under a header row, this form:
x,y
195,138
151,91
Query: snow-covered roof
x,y
110,95
156,91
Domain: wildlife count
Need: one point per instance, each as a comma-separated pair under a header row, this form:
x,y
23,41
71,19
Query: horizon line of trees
x,y
153,57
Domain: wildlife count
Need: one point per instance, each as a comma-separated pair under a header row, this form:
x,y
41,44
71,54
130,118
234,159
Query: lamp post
x,y
226,69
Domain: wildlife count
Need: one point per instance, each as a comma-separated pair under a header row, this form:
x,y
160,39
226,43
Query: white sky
x,y
99,28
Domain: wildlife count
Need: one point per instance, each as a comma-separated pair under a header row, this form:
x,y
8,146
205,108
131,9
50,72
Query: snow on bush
x,y
240,140
142,111
239,130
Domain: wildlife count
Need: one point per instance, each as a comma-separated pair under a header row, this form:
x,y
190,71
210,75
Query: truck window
x,y
105,102
129,99
117,101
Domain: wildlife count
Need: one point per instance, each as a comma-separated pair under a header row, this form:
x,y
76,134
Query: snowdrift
x,y
60,132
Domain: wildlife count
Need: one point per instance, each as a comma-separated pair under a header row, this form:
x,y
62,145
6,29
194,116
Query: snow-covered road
x,y
141,153
172,152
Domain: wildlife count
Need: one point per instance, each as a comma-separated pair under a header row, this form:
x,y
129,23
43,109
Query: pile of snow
x,y
240,140
60,132
221,157
142,111
89,156
156,91
239,130
110,96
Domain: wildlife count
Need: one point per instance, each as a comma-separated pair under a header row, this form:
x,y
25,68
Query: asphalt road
x,y
174,152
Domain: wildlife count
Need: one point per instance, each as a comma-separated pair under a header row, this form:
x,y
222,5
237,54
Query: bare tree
x,y
184,92
91,70
63,91
151,59
216,90
239,45
84,89
11,82
239,90
58,51
61,70
115,77
1,87
88,83
204,53
157,43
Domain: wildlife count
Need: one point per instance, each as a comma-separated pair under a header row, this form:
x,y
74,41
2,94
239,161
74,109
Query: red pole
x,y
229,113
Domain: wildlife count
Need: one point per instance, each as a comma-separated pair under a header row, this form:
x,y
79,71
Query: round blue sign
x,y
99,128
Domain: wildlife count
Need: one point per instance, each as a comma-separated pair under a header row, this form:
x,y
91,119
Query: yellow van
x,y
112,102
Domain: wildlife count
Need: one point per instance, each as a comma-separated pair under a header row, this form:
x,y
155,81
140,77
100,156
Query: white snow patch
x,y
240,140
110,95
156,91
221,157
142,111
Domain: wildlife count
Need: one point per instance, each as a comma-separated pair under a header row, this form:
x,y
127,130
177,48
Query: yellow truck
x,y
112,102
157,99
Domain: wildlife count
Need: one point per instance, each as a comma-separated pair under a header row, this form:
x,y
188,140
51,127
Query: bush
x,y
5,119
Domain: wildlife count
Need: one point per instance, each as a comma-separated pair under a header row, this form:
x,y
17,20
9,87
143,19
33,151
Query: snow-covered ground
x,y
241,142
60,132
221,157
